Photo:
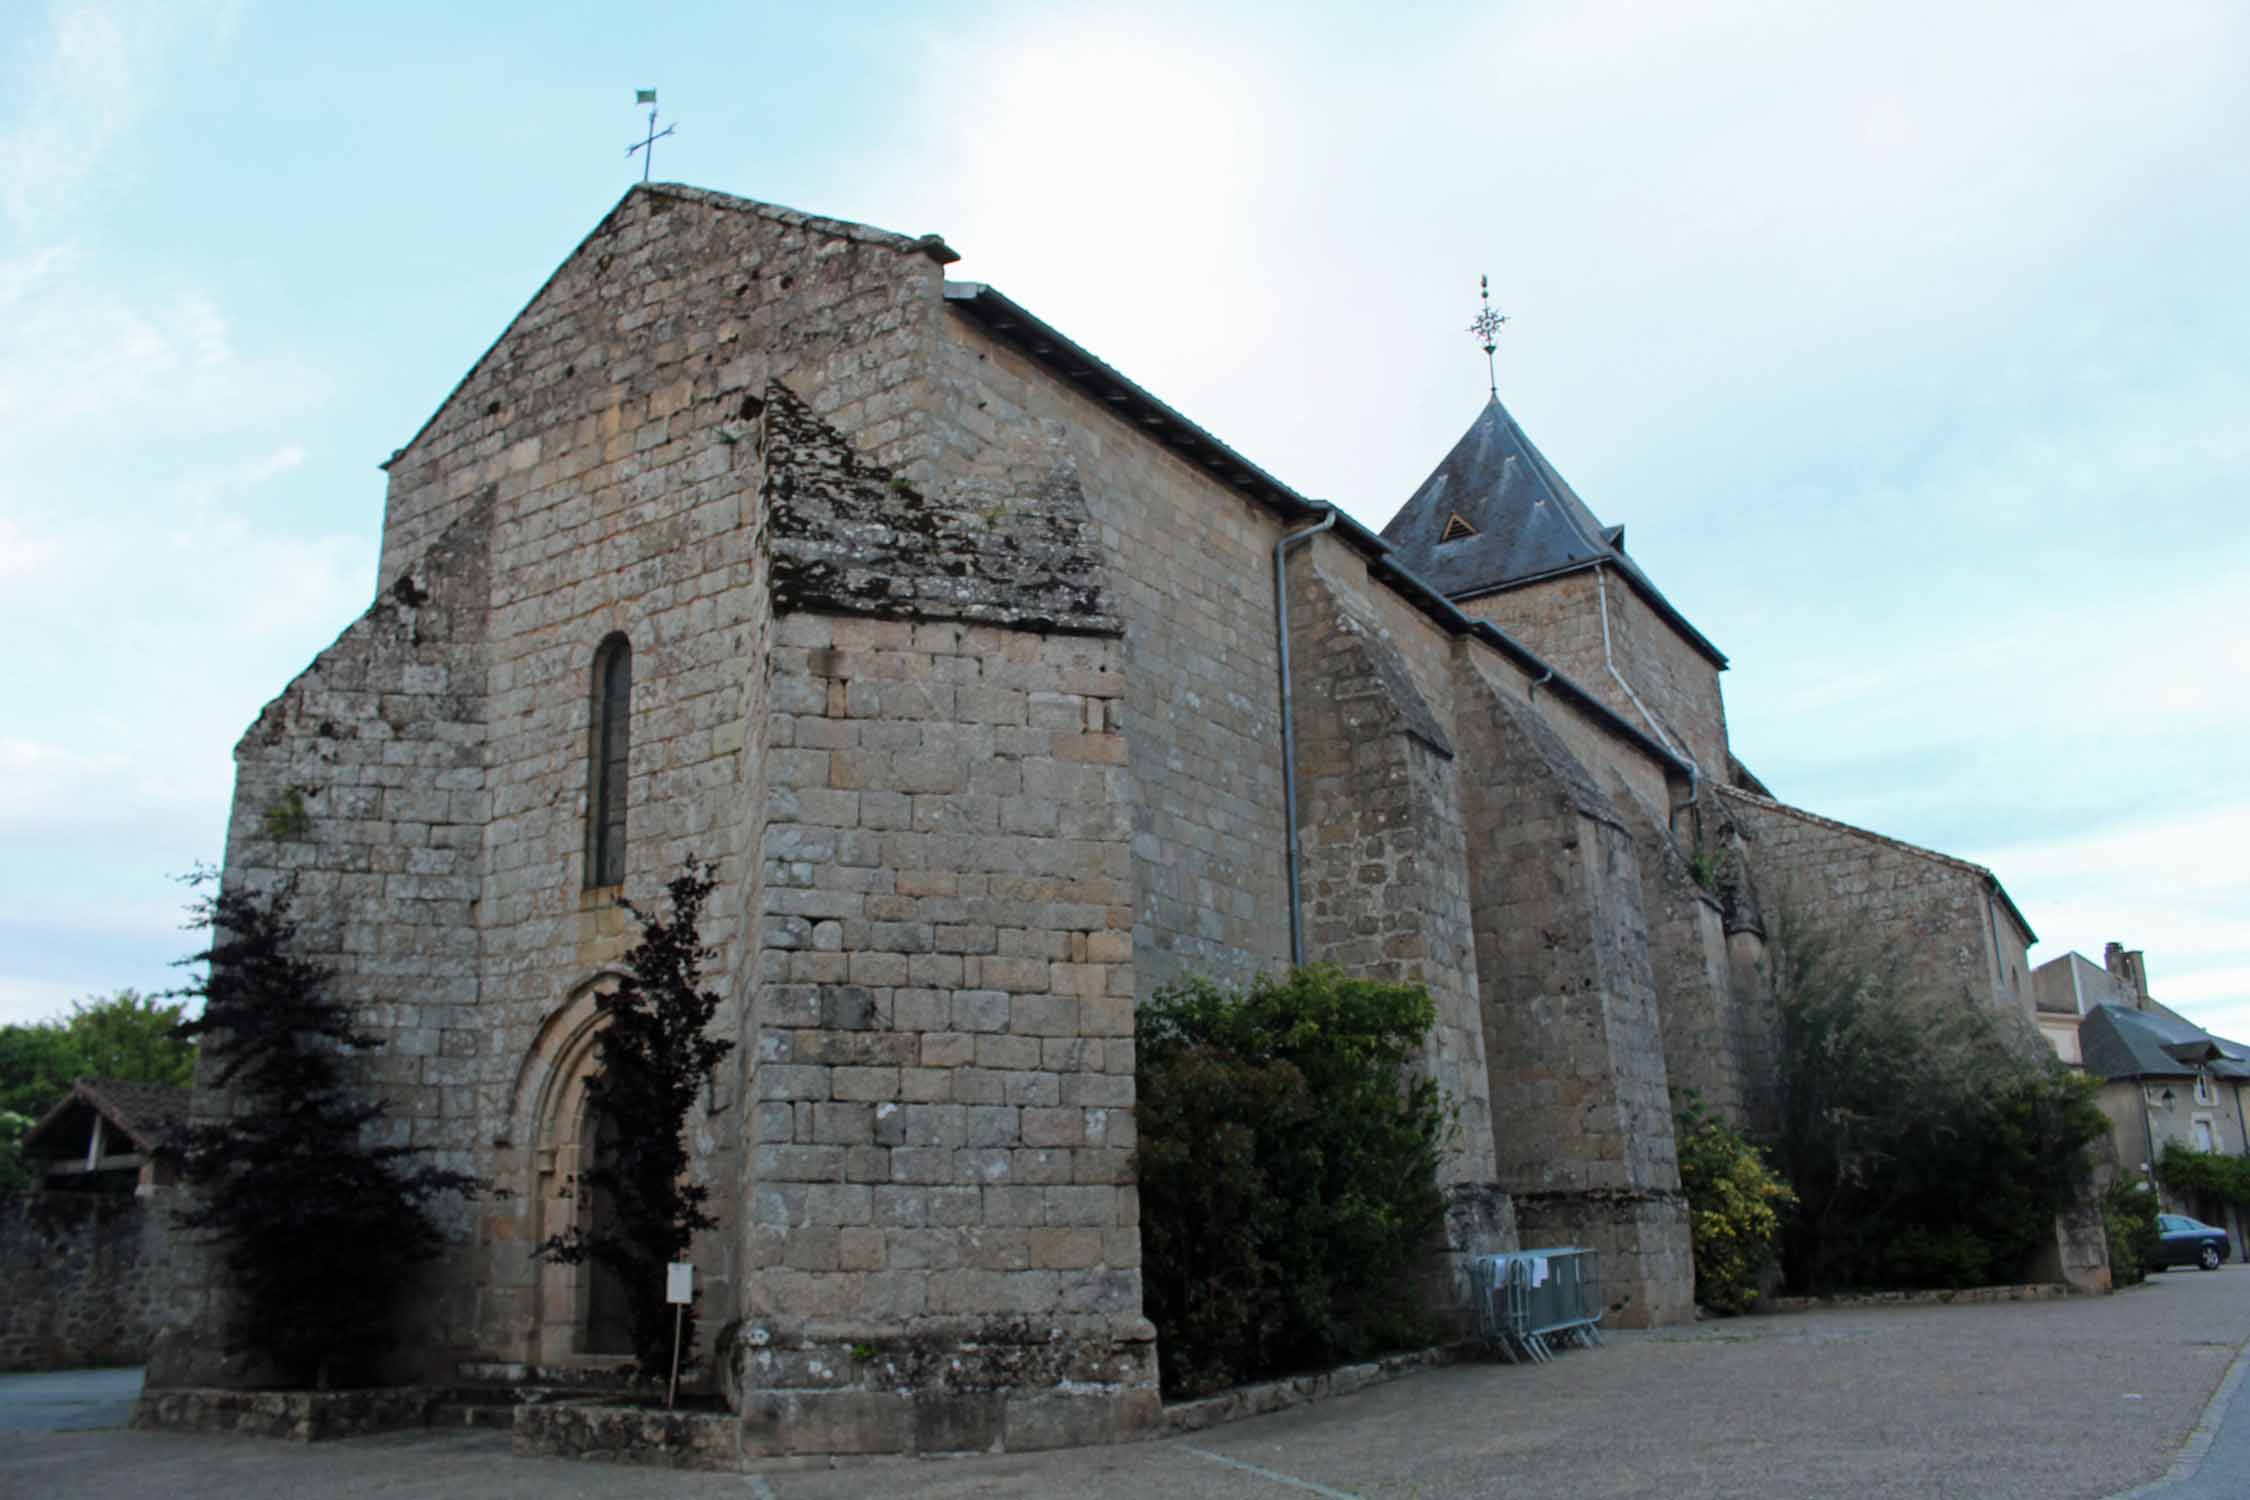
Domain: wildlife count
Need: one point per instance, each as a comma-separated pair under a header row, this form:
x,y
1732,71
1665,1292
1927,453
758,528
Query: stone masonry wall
x,y
617,427
1721,1039
678,296
362,787
1562,619
1386,877
91,1278
1936,913
942,1243
1582,1120
1191,568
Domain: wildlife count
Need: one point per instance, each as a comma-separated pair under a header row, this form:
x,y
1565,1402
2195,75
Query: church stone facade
x,y
756,539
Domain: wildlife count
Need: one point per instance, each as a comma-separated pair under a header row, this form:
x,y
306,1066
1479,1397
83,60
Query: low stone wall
x,y
296,1416
89,1278
2030,1291
1299,1390
629,1435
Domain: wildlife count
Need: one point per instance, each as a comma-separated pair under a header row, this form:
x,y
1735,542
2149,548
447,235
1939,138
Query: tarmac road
x,y
2072,1400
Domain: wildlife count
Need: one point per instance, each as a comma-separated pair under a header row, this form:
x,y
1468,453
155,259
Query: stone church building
x,y
1001,694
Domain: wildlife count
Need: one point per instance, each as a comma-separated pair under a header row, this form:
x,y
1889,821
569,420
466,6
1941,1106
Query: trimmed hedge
x,y
1288,1174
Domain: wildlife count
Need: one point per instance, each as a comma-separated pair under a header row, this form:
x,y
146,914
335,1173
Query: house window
x,y
2203,1088
609,752
2204,1140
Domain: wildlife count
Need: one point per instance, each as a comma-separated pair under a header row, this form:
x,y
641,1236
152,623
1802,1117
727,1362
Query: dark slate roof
x,y
1530,524
145,1112
2119,1042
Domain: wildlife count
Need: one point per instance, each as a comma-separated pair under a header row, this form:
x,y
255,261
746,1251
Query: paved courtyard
x,y
2072,1400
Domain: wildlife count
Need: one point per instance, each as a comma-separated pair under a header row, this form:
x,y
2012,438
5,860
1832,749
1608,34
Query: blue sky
x,y
1907,341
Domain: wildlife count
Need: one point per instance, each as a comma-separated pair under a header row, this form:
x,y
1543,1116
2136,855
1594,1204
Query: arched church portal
x,y
578,1310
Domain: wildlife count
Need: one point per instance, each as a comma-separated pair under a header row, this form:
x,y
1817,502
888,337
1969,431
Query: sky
x,y
1910,342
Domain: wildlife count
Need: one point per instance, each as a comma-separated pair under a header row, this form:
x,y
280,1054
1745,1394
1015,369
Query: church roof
x,y
1495,514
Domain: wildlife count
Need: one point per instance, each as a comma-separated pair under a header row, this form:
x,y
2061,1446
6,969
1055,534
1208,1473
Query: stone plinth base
x,y
1648,1262
1012,1392
296,1416
629,1435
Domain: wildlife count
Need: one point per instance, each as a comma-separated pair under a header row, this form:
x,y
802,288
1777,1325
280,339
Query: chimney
x,y
2130,971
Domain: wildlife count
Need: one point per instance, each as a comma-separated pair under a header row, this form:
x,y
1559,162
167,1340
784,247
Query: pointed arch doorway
x,y
578,1311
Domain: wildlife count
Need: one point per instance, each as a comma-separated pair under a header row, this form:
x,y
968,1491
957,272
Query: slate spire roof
x,y
1495,514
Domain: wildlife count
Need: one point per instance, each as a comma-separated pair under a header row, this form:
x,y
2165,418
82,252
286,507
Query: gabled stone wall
x,y
1940,917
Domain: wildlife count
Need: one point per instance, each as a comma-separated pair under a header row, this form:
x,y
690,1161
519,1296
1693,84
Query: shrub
x,y
320,1230
1929,1144
1288,1173
2206,1174
1735,1203
2129,1224
652,1059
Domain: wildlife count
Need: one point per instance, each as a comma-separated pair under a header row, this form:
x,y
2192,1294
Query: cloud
x,y
98,72
26,1001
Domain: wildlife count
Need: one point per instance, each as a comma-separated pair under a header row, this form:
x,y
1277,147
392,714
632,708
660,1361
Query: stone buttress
x,y
1385,873
1582,1119
941,1247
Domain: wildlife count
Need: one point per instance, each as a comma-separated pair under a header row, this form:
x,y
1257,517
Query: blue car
x,y
2190,1242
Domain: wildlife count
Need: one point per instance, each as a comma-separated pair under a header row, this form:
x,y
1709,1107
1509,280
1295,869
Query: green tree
x,y
37,1064
319,1230
1929,1144
1288,1173
132,1038
127,1038
653,1058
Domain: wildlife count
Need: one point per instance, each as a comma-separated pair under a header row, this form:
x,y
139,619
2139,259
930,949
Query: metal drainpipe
x,y
1289,732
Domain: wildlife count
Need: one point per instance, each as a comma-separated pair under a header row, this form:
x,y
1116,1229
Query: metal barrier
x,y
1532,1302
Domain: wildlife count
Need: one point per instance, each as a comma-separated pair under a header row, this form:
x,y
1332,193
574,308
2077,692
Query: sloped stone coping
x,y
1299,1390
293,1416
2029,1291
591,1429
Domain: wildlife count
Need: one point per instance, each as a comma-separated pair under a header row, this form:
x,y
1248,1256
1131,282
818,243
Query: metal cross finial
x,y
648,97
1487,330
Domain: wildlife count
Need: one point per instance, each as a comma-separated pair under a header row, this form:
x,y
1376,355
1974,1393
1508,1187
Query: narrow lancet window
x,y
609,753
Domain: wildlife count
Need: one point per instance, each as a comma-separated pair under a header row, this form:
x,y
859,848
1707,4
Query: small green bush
x,y
1735,1203
2129,1222
1288,1173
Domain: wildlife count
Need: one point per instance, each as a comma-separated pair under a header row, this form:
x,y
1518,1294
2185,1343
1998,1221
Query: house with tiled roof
x,y
103,1136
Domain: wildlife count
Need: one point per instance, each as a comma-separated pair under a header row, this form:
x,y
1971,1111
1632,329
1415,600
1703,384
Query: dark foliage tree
x,y
1288,1173
319,1230
652,1059
1931,1139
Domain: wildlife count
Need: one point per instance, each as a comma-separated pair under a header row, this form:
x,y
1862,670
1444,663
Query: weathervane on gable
x,y
1486,327
648,97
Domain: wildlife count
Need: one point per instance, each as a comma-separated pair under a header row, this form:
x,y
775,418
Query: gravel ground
x,y
2073,1400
